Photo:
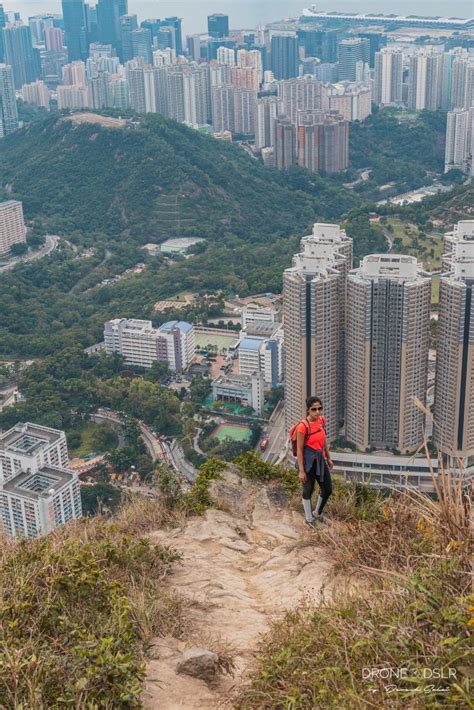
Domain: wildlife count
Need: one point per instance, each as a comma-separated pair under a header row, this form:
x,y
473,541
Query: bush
x,y
69,631
198,499
410,612
254,467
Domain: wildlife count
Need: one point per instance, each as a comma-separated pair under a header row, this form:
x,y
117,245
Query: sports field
x,y
237,432
220,341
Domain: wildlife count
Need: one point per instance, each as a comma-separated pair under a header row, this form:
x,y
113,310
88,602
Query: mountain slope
x,y
154,180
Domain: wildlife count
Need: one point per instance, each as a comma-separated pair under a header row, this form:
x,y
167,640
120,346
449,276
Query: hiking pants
x,y
325,488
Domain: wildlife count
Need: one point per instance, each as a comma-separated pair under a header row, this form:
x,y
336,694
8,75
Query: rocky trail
x,y
243,565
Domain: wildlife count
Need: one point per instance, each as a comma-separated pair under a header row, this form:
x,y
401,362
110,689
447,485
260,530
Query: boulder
x,y
232,492
199,663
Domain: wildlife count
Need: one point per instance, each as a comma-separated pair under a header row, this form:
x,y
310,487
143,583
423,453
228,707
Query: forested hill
x,y
155,180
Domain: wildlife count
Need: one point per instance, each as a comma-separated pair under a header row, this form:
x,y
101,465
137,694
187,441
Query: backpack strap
x,y
308,430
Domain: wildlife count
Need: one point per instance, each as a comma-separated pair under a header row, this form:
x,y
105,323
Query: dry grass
x,y
413,555
79,608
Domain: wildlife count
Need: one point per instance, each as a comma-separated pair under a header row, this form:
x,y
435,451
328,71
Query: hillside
x,y
283,617
153,180
115,189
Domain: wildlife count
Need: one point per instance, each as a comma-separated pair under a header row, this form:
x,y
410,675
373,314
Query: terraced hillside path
x,y
243,565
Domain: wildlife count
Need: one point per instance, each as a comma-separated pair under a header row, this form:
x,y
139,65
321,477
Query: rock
x,y
200,663
232,492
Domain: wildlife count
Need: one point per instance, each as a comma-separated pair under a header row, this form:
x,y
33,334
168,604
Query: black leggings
x,y
325,488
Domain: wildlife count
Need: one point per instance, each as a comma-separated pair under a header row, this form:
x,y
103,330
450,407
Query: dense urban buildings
x,y
387,341
454,382
173,343
38,492
12,225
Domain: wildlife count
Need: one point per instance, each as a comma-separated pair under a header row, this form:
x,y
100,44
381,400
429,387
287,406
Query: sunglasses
x,y
315,409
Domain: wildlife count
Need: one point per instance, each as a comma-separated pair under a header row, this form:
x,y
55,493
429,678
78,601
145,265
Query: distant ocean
x,y
247,14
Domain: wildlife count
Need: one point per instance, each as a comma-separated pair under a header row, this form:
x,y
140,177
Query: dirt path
x,y
242,569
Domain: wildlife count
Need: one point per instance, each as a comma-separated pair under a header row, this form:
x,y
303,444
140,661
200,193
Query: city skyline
x,y
245,14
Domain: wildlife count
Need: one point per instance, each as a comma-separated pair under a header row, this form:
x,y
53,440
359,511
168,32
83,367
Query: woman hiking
x,y
313,460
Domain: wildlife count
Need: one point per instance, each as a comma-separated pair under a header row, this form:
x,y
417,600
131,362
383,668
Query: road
x,y
388,239
180,462
50,244
159,450
277,435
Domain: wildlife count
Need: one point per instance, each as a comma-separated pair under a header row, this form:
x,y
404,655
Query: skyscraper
x,y
351,53
302,94
425,81
141,44
459,140
267,110
12,225
462,81
319,43
20,54
322,141
284,56
175,24
226,55
8,110
454,381
108,19
3,22
36,93
53,39
285,143
387,341
218,25
388,77
128,23
75,27
376,41
313,317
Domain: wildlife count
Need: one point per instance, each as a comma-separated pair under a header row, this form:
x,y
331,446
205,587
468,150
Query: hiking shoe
x,y
311,523
322,519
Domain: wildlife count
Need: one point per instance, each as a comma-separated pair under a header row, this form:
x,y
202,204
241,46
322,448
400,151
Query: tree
x,y
100,496
104,438
18,249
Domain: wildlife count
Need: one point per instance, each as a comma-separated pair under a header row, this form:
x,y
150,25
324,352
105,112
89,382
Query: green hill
x,y
118,188
155,179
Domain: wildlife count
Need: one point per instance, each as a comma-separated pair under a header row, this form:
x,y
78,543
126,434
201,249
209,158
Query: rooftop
x,y
28,439
42,484
251,343
392,266
181,324
9,203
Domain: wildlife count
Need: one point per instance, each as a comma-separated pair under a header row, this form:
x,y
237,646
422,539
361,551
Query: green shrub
x,y
198,499
254,467
69,635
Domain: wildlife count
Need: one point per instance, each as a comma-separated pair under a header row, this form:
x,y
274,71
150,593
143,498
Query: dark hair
x,y
312,400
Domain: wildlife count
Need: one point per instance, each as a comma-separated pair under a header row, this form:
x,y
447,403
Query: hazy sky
x,y
250,13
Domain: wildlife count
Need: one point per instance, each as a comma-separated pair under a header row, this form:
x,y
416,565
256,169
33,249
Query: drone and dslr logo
x,y
409,680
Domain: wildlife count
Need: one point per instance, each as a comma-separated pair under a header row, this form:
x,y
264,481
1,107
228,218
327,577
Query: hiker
x,y
313,460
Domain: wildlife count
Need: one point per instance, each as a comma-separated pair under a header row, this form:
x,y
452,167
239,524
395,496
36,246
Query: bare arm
x,y
328,456
300,439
